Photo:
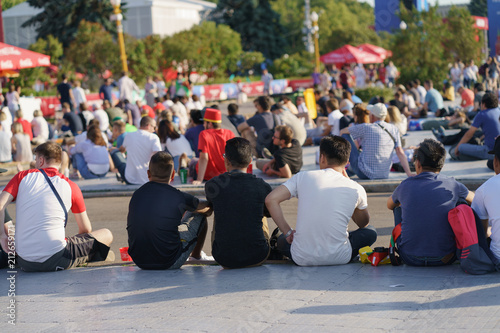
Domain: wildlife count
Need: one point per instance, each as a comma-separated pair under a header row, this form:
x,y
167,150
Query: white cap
x,y
379,110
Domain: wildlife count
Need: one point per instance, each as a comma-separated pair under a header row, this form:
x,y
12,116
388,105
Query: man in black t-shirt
x,y
64,92
161,234
287,160
240,236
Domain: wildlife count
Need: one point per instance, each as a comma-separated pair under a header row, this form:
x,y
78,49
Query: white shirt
x,y
455,73
422,92
103,118
40,128
79,96
140,145
334,121
391,71
7,123
178,146
327,201
5,147
485,204
126,86
97,157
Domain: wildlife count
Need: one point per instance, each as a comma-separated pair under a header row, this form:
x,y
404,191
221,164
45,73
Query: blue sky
x,y
431,2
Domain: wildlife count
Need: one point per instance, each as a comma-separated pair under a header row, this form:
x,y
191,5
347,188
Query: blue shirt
x,y
489,123
425,202
434,100
107,91
192,135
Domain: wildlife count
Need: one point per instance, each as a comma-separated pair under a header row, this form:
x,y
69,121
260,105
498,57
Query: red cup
x,y
250,168
124,254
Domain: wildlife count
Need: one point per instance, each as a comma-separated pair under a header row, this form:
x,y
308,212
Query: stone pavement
x,y
270,298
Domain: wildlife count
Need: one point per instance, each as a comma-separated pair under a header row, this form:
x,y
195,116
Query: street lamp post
x,y
118,17
314,19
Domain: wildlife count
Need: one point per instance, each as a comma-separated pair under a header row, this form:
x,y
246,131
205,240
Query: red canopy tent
x,y
14,58
380,51
348,54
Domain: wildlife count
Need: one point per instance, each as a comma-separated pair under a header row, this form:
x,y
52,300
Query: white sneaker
x,y
202,257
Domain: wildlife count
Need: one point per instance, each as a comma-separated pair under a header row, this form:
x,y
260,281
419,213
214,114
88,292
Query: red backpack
x,y
473,250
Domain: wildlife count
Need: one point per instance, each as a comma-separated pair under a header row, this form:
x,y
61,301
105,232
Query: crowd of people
x,y
149,143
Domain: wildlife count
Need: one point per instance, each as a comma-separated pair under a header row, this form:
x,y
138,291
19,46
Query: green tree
x,y
50,46
479,7
62,18
295,65
6,4
418,51
207,48
462,41
257,23
92,52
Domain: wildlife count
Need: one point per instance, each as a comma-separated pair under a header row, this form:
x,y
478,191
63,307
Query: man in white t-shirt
x,y
140,146
43,199
485,203
327,200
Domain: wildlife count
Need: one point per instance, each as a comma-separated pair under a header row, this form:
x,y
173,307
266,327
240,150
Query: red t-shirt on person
x,y
213,142
26,127
467,98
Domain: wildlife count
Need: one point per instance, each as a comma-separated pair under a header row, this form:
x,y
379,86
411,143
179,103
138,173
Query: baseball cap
x,y
496,147
379,110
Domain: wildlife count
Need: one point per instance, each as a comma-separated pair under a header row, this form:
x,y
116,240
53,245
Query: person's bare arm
x,y
122,149
5,199
273,201
470,197
467,136
327,130
403,160
243,126
83,222
283,172
391,204
204,207
72,97
361,217
345,130
202,168
268,165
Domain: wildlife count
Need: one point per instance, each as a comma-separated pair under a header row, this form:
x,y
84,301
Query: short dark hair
x,y
232,108
145,121
479,86
431,155
286,133
490,100
51,151
161,165
196,116
238,152
428,82
336,149
263,101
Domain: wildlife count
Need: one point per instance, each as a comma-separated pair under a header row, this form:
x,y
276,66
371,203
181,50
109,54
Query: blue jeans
x,y
420,260
353,159
120,163
358,239
475,152
81,165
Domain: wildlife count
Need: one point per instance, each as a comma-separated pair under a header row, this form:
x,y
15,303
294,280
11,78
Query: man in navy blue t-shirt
x,y
488,120
421,204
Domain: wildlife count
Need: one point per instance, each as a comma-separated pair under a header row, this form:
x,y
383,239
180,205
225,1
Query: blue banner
x,y
387,13
494,24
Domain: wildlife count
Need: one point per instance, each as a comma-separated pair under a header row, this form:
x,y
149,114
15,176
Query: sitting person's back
x,y
241,235
425,200
160,235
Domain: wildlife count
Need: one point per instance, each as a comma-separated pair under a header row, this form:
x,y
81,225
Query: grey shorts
x,y
79,249
189,229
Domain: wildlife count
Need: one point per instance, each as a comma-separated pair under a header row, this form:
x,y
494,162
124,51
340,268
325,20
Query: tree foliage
x,y
430,43
6,4
61,18
50,46
479,7
295,65
257,23
207,47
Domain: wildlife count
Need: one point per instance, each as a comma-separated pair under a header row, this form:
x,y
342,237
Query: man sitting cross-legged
x,y
421,204
240,236
41,217
161,234
327,200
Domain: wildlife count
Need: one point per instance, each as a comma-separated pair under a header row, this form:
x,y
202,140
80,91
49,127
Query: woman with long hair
x,y
90,157
21,145
173,142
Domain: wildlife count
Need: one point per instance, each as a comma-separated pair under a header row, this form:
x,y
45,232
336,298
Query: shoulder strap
x,y
57,196
385,129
